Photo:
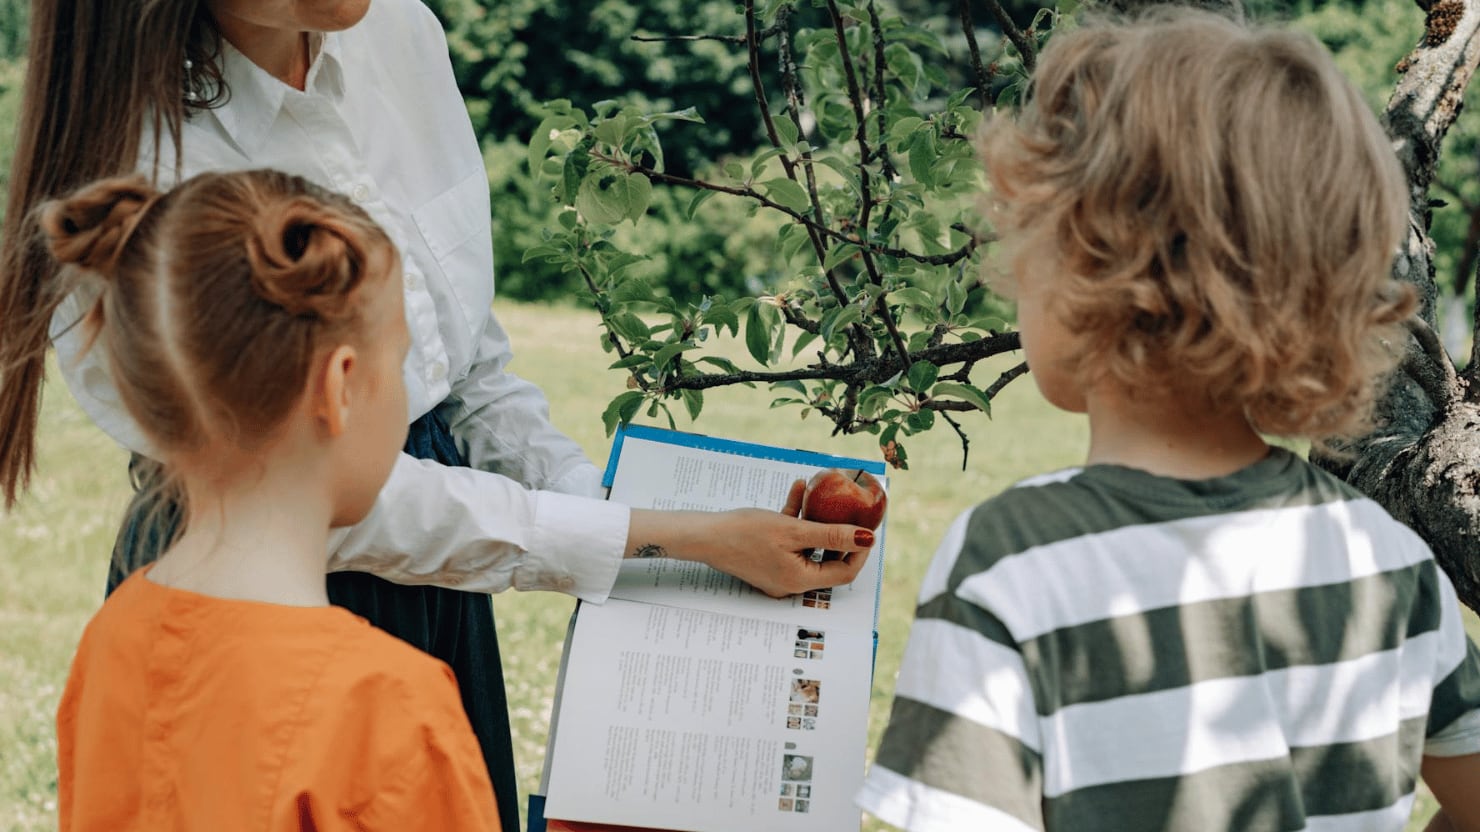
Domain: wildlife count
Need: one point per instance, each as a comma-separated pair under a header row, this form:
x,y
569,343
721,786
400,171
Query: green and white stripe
x,y
1104,649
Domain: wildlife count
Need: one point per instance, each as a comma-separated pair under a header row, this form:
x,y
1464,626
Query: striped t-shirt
x,y
1105,649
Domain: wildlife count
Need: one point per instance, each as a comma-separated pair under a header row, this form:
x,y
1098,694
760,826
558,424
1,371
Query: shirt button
x,y
360,193
438,371
414,281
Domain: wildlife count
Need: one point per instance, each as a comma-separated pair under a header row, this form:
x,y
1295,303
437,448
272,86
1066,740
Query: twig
x,y
948,259
965,442
855,95
737,40
886,165
611,336
857,336
1005,379
1025,46
983,78
870,370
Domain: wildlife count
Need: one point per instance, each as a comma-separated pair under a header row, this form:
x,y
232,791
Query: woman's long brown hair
x,y
102,76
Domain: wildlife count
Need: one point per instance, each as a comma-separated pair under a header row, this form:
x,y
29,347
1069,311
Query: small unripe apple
x,y
838,496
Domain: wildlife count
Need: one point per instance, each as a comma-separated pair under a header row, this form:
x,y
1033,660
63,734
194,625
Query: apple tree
x,y
882,321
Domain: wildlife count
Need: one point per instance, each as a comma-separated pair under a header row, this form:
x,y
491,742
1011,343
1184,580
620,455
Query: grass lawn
x,y
54,547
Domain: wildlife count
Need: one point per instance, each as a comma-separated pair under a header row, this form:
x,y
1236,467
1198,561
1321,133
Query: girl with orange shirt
x,y
254,327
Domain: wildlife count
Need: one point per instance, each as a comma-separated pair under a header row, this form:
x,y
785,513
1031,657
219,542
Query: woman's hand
x,y
768,550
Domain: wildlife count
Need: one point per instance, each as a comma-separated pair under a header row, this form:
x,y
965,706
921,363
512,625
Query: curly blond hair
x,y
1218,211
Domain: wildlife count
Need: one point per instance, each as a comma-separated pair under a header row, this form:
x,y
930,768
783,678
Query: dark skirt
x,y
456,627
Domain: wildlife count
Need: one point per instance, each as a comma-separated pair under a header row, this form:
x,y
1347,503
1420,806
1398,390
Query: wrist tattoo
x,y
650,550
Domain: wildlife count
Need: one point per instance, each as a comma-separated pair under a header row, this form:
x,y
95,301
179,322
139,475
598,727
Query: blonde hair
x,y
1219,211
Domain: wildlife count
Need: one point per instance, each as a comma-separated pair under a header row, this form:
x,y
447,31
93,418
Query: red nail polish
x,y
863,537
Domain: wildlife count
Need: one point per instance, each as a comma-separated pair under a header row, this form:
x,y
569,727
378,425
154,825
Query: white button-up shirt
x,y
381,120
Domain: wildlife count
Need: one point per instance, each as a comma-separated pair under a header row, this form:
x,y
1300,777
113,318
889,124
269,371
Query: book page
x,y
660,475
674,718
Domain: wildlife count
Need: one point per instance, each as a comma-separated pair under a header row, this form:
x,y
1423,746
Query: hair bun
x,y
91,227
305,260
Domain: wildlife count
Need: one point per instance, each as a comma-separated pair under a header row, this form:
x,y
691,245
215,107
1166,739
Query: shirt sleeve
x,y
501,423
962,748
1454,711
468,529
86,373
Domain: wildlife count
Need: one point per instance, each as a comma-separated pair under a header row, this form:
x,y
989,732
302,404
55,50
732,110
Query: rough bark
x,y
1422,463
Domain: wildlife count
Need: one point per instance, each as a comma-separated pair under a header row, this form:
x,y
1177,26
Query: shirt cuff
x,y
583,480
580,542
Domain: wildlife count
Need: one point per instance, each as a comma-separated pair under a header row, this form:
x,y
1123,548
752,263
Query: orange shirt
x,y
188,712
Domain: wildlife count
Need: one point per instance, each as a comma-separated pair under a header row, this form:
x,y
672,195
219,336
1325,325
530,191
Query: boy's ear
x,y
330,398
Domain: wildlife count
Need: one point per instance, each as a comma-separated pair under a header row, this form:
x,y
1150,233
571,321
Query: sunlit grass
x,y
54,547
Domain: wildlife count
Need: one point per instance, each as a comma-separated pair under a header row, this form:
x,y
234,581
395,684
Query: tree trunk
x,y
1423,461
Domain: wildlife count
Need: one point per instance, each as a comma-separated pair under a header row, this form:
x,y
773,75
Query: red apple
x,y
838,496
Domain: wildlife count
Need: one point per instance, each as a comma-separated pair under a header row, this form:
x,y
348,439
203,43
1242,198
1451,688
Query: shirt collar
x,y
255,97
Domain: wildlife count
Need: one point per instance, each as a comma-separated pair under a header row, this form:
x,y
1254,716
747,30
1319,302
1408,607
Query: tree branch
x,y
736,40
948,259
1005,379
1423,106
886,166
965,442
1025,46
865,195
983,78
870,370
1430,365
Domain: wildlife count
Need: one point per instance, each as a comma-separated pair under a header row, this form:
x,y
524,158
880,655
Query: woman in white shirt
x,y
358,97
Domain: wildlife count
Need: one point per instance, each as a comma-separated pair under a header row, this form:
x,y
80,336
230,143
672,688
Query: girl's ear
x,y
330,398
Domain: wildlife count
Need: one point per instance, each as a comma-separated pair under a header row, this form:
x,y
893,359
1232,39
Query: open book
x,y
691,701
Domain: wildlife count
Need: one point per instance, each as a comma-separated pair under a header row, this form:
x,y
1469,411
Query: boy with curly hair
x,y
1194,630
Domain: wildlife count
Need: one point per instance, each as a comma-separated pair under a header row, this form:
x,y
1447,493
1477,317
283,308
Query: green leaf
x,y
632,289
920,421
666,354
838,318
803,339
612,131
573,170
630,361
724,364
758,334
611,197
788,193
911,296
549,250
721,316
693,400
955,297
904,128
841,253
628,326
786,130
621,409
907,66
686,114
699,199
871,399
1010,94
922,374
923,153
758,164
539,143
965,393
